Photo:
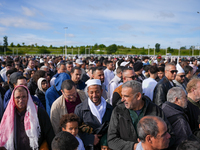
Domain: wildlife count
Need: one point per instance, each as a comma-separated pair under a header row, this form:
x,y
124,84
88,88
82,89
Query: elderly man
x,y
166,83
122,131
94,113
24,126
152,134
193,107
174,111
127,75
66,103
180,78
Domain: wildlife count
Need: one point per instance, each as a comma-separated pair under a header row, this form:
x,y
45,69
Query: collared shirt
x,y
22,139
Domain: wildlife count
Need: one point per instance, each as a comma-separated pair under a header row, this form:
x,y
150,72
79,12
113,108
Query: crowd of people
x,y
99,103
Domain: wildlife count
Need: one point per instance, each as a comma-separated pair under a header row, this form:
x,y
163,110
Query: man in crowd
x,y
113,84
95,113
24,126
188,73
161,73
122,131
193,107
31,65
174,111
150,83
69,66
3,74
166,83
180,78
16,79
61,67
108,73
64,141
127,75
76,76
66,103
97,73
55,91
138,68
152,133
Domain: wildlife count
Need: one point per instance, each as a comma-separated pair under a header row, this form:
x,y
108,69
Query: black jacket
x,y
160,91
41,96
179,121
121,132
32,86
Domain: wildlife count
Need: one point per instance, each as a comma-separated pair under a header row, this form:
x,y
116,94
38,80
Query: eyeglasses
x,y
182,76
174,71
69,96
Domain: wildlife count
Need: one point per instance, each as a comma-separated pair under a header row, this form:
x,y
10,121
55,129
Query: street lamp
x,y
65,40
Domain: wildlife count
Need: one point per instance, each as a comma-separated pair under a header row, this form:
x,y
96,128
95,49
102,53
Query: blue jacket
x,y
9,93
54,91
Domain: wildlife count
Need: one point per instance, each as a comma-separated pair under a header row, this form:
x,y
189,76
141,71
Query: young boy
x,y
69,123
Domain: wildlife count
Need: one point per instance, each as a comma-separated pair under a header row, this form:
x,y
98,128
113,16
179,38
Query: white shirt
x,y
112,86
148,86
80,146
108,76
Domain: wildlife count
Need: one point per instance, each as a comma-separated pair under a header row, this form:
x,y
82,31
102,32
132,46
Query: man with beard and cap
x,y
16,79
24,125
94,115
180,78
138,68
166,83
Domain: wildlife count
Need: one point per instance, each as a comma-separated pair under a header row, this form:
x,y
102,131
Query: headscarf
x,y
31,123
39,84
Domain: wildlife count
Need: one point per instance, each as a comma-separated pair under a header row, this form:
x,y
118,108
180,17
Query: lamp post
x,y
65,40
148,50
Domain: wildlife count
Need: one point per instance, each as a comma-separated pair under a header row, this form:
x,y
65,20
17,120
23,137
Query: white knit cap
x,y
93,82
180,69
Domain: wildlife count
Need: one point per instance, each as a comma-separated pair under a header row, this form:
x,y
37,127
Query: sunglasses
x,y
174,71
182,76
132,77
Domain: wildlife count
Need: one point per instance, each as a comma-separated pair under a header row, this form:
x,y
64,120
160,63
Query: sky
x,y
171,23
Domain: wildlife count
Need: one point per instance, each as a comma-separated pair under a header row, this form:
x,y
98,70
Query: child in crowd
x,y
104,143
69,123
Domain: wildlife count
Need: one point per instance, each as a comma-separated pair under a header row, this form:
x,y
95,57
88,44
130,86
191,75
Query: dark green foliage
x,y
43,50
111,49
157,46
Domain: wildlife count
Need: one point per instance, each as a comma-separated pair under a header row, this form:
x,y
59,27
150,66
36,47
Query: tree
x,y
170,50
23,43
18,45
133,47
5,42
50,46
43,50
183,47
11,44
111,49
157,46
102,46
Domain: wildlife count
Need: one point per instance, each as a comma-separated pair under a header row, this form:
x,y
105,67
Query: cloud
x,y
28,12
165,15
2,31
70,35
24,23
125,27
